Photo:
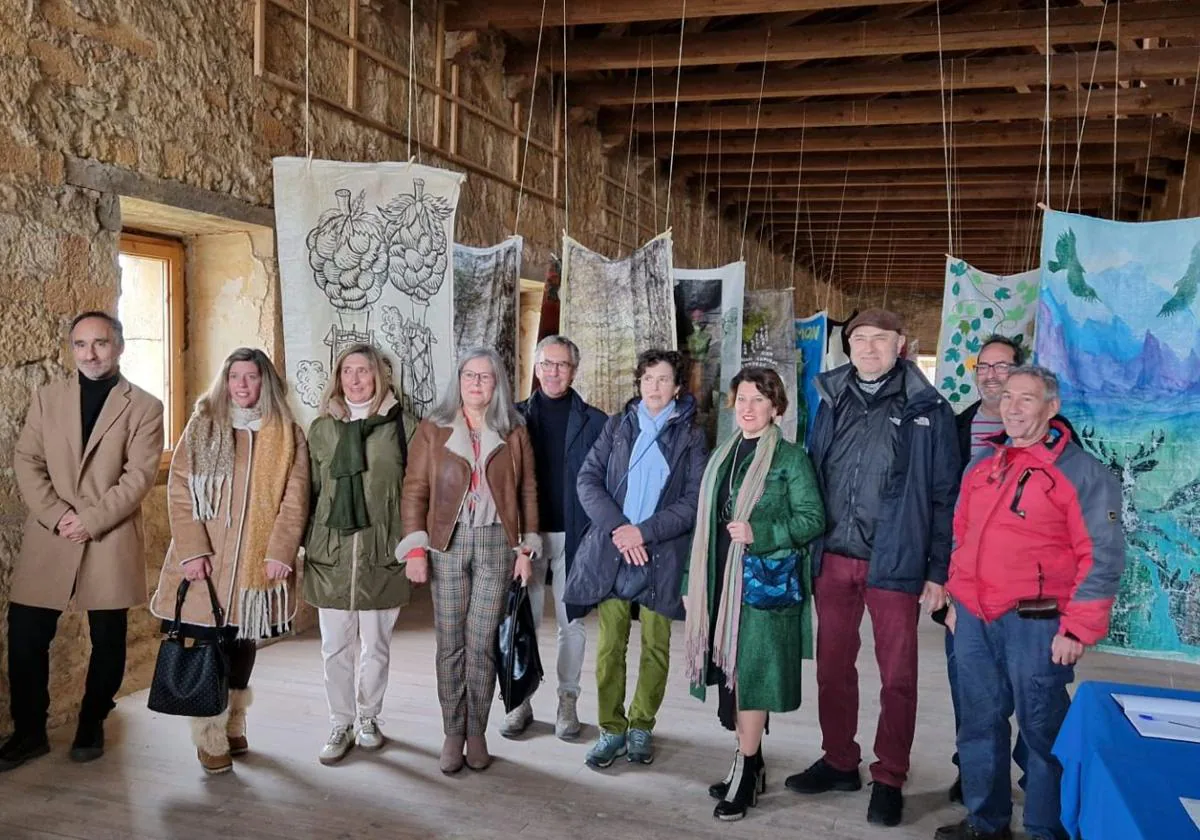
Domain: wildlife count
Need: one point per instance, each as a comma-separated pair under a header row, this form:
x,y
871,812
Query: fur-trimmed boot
x,y
212,744
239,700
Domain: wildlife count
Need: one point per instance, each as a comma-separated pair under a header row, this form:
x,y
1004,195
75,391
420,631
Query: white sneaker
x,y
341,739
566,725
369,737
517,721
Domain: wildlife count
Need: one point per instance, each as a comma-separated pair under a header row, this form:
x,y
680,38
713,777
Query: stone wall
x,y
170,93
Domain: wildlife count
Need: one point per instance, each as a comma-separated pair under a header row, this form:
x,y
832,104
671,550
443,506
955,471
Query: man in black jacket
x,y
562,428
887,463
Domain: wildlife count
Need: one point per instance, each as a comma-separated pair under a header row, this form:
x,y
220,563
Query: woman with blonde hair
x,y
470,517
357,448
237,503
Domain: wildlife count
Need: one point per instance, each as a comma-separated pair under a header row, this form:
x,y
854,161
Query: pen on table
x,y
1168,720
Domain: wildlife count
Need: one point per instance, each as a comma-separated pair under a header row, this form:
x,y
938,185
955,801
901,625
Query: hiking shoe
x,y
608,748
566,721
641,746
517,721
822,777
341,739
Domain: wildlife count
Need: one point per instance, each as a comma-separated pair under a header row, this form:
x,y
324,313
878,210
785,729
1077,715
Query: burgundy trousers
x,y
841,593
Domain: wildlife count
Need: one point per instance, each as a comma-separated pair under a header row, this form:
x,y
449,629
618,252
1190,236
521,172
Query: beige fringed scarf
x,y
263,606
729,590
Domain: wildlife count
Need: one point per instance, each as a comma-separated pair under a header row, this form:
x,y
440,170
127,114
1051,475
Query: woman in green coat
x,y
749,582
357,449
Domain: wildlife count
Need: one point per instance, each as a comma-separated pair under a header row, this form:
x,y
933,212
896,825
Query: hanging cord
x,y
945,137
838,231
862,279
1149,149
629,156
799,181
754,146
1188,147
1046,132
1117,109
720,175
812,250
537,63
887,272
308,149
566,133
1086,105
704,189
653,145
675,119
412,51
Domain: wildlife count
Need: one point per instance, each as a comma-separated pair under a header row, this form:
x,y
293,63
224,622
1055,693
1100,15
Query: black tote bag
x,y
518,663
191,681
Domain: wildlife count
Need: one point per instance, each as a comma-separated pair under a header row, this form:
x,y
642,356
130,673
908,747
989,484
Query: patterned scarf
x,y
263,606
729,590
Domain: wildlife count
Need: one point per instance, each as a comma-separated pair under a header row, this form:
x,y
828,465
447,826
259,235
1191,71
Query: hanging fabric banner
x,y
769,340
976,305
837,351
1118,322
613,310
810,360
486,300
364,257
708,312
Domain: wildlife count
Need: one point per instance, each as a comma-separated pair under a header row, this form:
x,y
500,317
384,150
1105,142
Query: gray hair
x,y
501,417
560,341
1048,379
113,323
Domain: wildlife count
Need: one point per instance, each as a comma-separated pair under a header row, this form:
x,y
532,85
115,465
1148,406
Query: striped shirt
x,y
983,428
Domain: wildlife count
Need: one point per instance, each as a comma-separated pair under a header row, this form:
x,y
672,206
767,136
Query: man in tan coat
x,y
87,456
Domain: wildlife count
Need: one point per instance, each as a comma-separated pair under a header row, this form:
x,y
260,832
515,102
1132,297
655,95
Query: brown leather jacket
x,y
439,474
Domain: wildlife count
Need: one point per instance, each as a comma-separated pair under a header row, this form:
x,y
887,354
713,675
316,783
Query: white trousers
x,y
343,633
572,635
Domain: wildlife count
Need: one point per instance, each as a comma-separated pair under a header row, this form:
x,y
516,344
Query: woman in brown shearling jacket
x,y
237,502
469,514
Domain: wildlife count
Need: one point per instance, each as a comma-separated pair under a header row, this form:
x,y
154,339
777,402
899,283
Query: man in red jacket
x,y
1038,553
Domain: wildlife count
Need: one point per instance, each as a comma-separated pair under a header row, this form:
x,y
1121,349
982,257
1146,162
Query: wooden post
x,y
454,109
260,34
352,60
439,70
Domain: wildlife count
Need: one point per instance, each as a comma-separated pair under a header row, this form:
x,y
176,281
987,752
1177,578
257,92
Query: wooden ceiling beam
x,y
911,178
916,76
1071,25
523,14
867,208
1018,188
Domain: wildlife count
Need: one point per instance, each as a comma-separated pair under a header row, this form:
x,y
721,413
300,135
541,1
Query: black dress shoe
x,y
887,805
964,831
956,790
821,777
22,747
89,742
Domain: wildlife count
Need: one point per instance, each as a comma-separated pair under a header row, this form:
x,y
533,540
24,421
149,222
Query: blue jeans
x,y
1004,666
1020,751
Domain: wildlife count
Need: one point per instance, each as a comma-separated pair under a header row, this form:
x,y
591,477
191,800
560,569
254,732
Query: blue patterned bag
x,y
771,583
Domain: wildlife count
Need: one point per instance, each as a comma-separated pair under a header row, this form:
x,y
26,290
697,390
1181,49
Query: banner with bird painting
x,y
708,316
365,257
976,305
1118,321
613,310
486,300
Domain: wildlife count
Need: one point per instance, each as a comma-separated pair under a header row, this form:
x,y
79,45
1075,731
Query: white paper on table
x,y
1162,717
1192,806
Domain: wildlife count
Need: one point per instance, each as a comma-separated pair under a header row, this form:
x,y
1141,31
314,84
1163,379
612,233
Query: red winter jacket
x,y
1042,521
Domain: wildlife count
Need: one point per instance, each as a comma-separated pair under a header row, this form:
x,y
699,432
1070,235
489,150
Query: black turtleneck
x,y
92,394
550,459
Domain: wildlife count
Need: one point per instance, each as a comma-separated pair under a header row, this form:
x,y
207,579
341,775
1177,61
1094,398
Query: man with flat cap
x,y
885,451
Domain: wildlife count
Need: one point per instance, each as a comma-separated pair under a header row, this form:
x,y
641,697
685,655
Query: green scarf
x,y
728,591
348,510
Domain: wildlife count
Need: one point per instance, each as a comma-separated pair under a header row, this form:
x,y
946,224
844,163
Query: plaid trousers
x,y
470,582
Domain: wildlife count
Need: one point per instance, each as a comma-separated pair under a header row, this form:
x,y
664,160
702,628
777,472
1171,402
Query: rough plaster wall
x,y
174,96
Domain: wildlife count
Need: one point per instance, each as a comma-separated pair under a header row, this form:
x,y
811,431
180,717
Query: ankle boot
x,y
478,757
743,789
212,745
235,730
718,790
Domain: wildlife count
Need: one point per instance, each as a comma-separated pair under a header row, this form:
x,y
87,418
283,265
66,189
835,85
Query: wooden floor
x,y
148,785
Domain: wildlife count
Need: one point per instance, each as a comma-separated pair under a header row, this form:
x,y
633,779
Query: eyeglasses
x,y
549,366
478,378
648,380
999,368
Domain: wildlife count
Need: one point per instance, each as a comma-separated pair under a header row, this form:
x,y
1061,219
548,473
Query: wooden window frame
x,y
170,251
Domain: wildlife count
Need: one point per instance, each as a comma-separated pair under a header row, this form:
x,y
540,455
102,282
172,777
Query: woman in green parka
x,y
357,449
749,582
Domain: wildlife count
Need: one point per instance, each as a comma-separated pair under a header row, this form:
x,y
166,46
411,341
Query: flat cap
x,y
879,318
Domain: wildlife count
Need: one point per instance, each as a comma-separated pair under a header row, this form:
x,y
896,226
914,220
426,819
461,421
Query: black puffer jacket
x,y
668,532
888,467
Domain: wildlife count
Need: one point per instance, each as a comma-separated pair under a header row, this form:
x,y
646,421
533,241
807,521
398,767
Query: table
x,y
1118,785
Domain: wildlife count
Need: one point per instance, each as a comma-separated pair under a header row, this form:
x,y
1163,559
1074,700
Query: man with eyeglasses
x,y
1038,554
562,428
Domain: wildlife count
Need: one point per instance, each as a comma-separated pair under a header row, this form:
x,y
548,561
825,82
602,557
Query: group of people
x,y
996,521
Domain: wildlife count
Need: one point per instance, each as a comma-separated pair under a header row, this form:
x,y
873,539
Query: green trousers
x,y
615,621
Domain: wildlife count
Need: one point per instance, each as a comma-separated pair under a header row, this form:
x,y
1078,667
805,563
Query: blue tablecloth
x,y
1118,785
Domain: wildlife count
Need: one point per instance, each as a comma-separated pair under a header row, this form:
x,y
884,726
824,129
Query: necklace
x,y
727,510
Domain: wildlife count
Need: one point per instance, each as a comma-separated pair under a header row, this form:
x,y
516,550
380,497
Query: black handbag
x,y
191,681
519,665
